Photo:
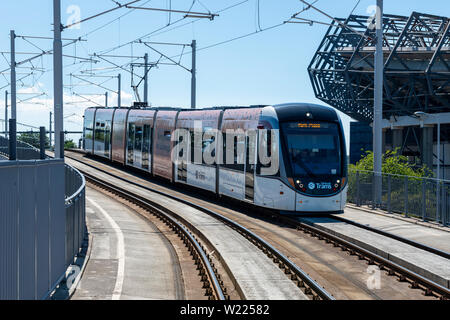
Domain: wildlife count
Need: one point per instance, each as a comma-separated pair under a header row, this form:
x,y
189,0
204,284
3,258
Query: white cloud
x,y
35,112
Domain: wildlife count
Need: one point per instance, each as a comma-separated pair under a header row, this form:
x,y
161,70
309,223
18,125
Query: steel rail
x,y
384,264
290,268
166,215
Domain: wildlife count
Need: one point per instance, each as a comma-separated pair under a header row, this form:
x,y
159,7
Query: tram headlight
x,y
336,185
300,184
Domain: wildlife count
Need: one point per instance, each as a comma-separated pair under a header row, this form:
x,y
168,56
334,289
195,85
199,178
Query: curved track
x,y
297,276
211,282
344,282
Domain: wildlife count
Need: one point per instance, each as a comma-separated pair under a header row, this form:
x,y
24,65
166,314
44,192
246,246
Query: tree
x,y
69,144
393,163
33,138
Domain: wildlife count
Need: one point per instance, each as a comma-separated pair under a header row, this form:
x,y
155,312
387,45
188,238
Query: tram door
x,y
146,147
138,147
130,144
107,137
182,154
250,157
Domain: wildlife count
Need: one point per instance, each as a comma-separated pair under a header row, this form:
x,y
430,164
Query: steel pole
x,y
438,149
438,186
119,84
12,139
50,130
13,76
42,142
106,99
146,78
6,114
378,105
193,72
58,79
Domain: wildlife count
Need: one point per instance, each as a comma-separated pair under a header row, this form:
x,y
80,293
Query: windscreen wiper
x,y
299,160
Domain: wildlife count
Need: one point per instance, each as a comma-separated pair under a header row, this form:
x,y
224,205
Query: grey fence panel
x,y
75,212
423,198
43,231
8,233
70,246
32,223
58,223
82,208
27,225
42,225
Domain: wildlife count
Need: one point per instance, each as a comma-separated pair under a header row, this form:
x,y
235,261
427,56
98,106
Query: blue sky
x,y
265,68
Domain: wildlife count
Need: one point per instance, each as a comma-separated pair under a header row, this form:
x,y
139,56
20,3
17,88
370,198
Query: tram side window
x,y
107,138
138,139
191,131
98,131
130,144
88,129
238,159
200,148
146,146
207,142
249,163
268,152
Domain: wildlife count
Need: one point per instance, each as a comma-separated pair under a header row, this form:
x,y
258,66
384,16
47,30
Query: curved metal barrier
x,y
24,150
42,225
75,203
32,228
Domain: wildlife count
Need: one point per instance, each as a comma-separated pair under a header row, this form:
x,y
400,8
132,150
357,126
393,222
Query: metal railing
x,y
24,151
40,235
75,204
32,228
424,198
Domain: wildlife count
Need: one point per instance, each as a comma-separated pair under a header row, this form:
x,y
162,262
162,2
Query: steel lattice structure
x,y
417,65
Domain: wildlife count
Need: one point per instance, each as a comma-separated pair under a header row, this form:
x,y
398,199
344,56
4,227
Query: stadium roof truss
x,y
417,65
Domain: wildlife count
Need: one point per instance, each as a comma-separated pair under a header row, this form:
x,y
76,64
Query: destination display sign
x,y
309,125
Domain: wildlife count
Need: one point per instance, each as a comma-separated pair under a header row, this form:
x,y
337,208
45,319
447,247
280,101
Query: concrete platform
x,y
256,276
431,266
130,258
409,228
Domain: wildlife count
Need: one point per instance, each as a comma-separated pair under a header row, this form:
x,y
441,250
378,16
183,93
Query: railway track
x,y
416,281
212,283
187,231
395,237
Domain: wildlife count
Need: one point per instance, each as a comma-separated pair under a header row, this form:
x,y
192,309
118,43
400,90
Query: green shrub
x,y
33,138
392,163
69,144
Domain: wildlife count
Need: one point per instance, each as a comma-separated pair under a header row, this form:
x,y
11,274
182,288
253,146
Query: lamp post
x,y
58,80
378,105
